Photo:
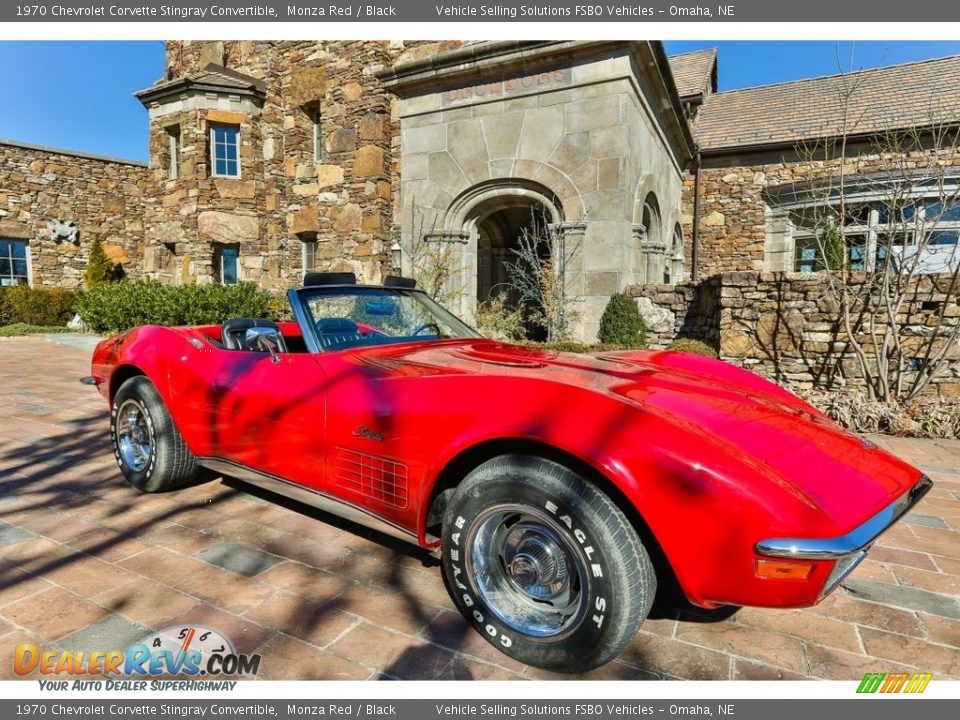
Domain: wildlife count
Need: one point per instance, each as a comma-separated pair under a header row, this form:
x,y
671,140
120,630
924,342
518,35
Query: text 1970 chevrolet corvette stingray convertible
x,y
557,487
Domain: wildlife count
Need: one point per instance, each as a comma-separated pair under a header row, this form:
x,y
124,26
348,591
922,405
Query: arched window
x,y
653,248
673,268
651,219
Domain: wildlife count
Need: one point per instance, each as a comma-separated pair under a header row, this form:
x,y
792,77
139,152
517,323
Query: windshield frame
x,y
300,297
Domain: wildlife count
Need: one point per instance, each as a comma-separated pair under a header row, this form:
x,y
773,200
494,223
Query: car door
x,y
268,414
369,461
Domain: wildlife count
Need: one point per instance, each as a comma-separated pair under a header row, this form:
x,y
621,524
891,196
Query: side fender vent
x,y
374,477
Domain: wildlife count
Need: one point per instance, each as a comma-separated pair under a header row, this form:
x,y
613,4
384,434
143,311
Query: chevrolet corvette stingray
x,y
558,488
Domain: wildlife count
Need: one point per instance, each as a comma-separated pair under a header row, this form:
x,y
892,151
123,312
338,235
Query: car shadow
x,y
73,475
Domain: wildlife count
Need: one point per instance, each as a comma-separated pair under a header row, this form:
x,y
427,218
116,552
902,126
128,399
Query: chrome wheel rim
x,y
134,435
527,571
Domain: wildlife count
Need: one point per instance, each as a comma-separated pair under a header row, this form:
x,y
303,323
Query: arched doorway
x,y
505,238
494,220
513,243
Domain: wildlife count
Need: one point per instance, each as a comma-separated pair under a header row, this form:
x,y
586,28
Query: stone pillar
x,y
657,262
653,256
777,250
568,249
567,240
638,235
462,285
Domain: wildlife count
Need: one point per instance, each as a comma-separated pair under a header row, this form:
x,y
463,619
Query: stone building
x,y
775,160
268,159
590,135
271,158
871,157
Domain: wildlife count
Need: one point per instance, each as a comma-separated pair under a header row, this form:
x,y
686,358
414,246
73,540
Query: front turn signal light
x,y
782,569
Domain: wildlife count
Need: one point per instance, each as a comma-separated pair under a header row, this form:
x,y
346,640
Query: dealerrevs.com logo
x,y
178,651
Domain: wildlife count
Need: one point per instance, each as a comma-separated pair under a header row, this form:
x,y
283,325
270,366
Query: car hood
x,y
754,420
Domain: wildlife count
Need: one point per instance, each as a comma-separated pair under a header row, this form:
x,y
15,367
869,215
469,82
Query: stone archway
x,y
487,220
507,222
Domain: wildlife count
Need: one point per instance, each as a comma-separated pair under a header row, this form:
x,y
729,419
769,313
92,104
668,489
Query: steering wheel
x,y
426,326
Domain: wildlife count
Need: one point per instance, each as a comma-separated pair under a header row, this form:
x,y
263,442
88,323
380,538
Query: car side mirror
x,y
264,339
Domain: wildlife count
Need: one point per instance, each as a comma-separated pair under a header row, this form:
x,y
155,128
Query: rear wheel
x,y
149,449
544,565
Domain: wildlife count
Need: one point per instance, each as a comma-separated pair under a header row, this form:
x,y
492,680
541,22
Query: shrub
x,y
99,267
278,308
495,320
36,306
834,249
572,346
204,304
935,417
928,417
693,346
21,329
852,409
621,323
114,307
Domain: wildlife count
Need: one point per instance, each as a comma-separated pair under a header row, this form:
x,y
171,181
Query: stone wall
x,y
103,196
736,189
785,325
687,310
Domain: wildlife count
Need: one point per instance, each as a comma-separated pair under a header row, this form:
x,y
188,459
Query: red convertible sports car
x,y
558,488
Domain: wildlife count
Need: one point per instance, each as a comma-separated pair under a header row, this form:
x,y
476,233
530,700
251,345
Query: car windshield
x,y
346,317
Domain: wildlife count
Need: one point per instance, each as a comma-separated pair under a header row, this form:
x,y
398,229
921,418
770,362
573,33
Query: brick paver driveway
x,y
88,563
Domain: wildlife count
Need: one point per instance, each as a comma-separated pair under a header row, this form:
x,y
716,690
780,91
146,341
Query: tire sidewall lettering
x,y
469,604
597,604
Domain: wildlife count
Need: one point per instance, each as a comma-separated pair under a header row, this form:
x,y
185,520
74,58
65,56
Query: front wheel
x,y
544,565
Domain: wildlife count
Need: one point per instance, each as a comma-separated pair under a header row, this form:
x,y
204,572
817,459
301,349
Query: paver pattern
x,y
86,562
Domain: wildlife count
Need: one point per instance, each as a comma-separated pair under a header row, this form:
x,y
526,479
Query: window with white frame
x,y
226,264
309,251
871,229
173,152
14,256
225,150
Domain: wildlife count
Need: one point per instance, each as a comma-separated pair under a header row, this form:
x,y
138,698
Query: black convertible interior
x,y
346,315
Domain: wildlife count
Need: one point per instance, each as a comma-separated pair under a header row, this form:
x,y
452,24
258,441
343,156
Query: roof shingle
x,y
211,77
694,72
918,94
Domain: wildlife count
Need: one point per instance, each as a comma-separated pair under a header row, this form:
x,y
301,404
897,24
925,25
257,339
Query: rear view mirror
x,y
264,339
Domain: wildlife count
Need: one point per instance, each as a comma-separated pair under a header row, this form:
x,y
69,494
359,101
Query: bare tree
x,y
887,244
433,258
538,275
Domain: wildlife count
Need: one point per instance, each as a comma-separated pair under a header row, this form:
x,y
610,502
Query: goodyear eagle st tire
x,y
544,565
148,448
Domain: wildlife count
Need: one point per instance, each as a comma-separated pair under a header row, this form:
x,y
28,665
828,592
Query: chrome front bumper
x,y
848,549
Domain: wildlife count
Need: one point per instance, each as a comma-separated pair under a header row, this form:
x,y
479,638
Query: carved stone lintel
x,y
447,236
568,229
